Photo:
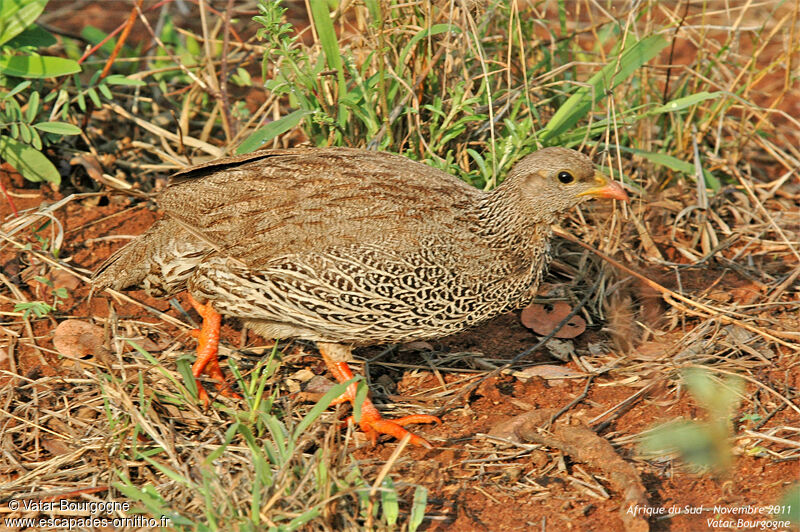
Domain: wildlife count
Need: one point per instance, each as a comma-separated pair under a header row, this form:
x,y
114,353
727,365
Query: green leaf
x,y
389,504
21,86
321,19
361,395
242,77
484,170
36,140
62,292
752,417
119,79
40,308
374,9
25,133
37,66
418,508
28,161
615,72
59,128
303,518
174,475
216,453
33,37
105,91
33,107
189,381
270,131
61,102
789,509
16,15
96,36
13,109
719,398
94,97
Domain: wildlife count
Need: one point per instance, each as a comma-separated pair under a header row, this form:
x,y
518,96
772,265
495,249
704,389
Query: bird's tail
x,y
128,266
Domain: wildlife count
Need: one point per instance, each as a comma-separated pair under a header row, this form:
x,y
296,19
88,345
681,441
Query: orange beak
x,y
606,188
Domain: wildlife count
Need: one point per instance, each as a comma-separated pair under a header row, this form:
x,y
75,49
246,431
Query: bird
x,y
347,247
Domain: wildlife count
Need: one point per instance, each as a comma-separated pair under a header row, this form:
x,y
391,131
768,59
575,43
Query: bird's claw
x,y
223,388
374,426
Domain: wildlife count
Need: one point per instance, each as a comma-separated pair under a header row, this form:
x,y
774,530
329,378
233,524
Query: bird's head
x,y
553,180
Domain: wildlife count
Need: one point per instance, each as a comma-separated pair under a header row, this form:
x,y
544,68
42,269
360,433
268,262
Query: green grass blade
x,y
176,477
615,72
265,134
436,29
302,519
673,163
687,101
418,508
328,39
216,453
321,406
389,502
361,395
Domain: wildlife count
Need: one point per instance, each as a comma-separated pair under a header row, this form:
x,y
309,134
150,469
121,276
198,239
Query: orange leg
x,y
372,423
207,347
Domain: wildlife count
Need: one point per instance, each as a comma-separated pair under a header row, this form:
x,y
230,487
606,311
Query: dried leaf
x,y
560,349
303,375
746,295
77,339
543,319
319,384
417,346
90,164
549,371
651,350
64,279
55,446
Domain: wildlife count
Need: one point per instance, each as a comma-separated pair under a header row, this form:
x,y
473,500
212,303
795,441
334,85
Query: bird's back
x,y
301,200
257,208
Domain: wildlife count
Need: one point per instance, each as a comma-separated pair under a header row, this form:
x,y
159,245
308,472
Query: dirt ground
x,y
475,480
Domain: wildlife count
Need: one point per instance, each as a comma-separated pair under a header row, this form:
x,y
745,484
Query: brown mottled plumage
x,y
353,247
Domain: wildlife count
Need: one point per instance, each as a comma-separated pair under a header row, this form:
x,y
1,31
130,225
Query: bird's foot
x,y
373,424
207,347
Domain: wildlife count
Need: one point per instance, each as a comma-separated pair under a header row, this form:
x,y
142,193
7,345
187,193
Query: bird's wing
x,y
268,204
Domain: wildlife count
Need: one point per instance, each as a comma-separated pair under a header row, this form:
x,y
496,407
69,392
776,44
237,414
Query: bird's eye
x,y
565,177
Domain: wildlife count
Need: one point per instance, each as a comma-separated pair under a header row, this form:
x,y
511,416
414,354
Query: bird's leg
x,y
372,423
207,347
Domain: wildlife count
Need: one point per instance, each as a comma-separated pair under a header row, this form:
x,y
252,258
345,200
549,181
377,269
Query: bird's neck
x,y
508,221
517,236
